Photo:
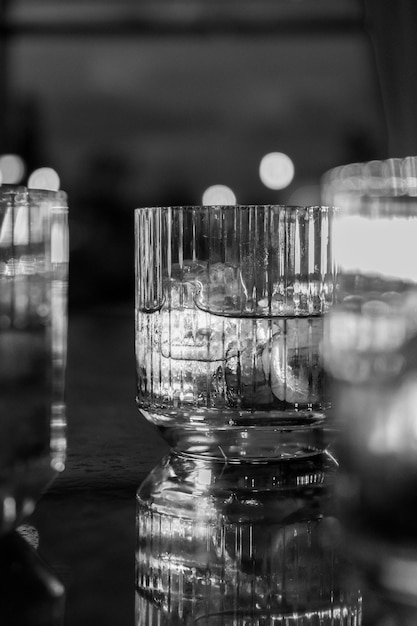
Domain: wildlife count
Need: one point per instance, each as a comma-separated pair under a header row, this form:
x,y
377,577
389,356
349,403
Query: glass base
x,y
148,614
262,437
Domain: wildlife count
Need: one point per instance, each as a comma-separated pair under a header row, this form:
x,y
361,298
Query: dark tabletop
x,y
86,520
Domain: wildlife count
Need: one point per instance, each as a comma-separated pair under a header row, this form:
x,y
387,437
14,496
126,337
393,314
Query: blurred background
x,y
156,102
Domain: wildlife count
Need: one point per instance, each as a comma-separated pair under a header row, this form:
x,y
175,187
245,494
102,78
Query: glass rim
x,y
313,208
14,190
394,177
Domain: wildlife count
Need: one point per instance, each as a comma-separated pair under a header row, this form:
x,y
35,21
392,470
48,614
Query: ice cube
x,y
187,382
246,383
193,335
290,360
188,333
220,289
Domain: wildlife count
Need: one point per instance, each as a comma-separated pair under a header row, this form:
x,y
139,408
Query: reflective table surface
x,y
257,547
85,522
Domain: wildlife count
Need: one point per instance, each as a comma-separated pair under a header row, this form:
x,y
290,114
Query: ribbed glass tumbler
x,y
229,312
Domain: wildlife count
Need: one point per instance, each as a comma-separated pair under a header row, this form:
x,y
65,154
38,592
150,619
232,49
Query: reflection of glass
x,y
370,351
241,544
57,203
29,452
229,306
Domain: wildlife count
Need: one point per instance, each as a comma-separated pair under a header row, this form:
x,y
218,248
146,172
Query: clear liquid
x,y
197,359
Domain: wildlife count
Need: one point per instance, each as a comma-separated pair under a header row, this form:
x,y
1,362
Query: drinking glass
x,y
32,442
229,313
370,352
346,185
242,543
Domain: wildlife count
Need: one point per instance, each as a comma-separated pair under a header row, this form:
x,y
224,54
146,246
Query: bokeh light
x,y
44,178
12,169
276,170
218,194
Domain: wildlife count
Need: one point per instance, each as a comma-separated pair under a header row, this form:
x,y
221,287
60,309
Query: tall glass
x,y
370,352
229,313
32,444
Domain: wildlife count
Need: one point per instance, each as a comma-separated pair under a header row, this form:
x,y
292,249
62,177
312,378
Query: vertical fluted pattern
x,y
229,306
230,572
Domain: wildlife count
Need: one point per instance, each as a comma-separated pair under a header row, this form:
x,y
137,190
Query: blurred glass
x,y
32,347
346,185
222,544
229,313
58,207
370,354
